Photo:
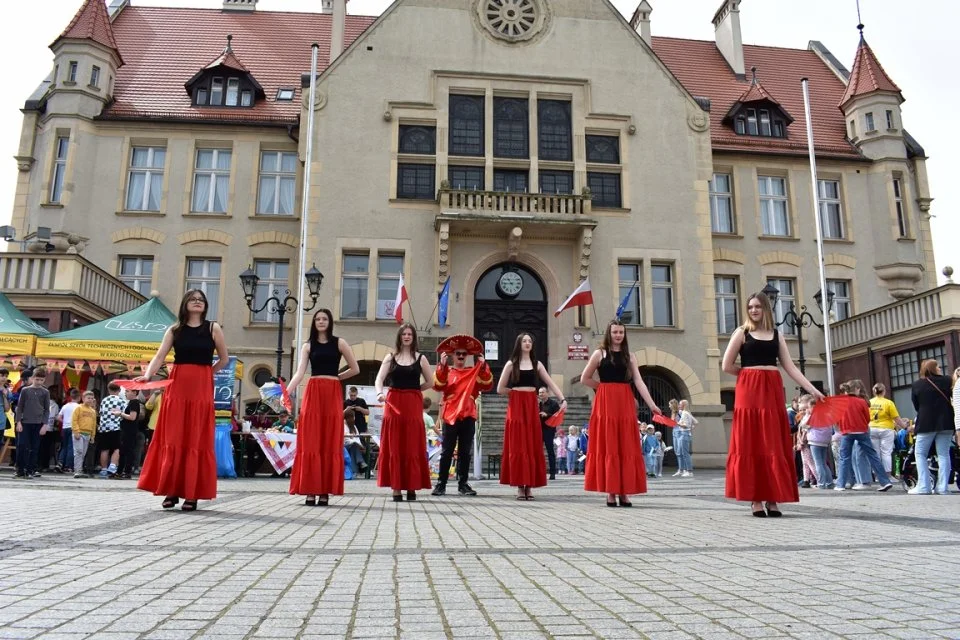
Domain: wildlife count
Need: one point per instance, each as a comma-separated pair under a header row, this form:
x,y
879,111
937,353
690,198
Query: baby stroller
x,y
909,474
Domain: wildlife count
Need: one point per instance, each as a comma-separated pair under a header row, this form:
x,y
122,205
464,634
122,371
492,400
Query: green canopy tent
x,y
18,333
131,338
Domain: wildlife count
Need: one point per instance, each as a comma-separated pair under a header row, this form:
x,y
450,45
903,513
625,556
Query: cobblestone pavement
x,y
98,559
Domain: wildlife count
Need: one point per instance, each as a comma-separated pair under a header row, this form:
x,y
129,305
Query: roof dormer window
x,y
225,82
757,113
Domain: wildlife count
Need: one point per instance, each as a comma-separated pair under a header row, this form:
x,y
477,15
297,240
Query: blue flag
x,y
444,303
625,301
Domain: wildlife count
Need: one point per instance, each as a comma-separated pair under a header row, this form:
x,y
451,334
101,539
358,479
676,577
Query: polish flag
x,y
580,297
401,298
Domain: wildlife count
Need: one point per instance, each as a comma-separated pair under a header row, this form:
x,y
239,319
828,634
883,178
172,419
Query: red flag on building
x,y
580,297
401,298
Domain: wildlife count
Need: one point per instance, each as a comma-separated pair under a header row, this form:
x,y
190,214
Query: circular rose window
x,y
512,20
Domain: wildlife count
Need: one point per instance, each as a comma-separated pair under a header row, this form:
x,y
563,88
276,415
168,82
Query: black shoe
x,y
411,496
805,484
553,476
439,490
466,490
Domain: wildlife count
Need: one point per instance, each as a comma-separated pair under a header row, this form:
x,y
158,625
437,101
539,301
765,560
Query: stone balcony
x,y
934,310
54,283
494,212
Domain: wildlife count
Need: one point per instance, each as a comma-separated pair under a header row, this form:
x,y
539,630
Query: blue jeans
x,y
846,447
861,465
682,441
571,461
66,449
824,477
650,460
921,449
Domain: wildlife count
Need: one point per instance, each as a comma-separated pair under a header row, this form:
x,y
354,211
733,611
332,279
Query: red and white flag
x,y
580,297
401,298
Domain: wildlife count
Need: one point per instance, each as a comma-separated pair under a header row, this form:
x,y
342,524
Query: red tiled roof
x,y
867,75
701,68
756,93
228,59
165,47
92,22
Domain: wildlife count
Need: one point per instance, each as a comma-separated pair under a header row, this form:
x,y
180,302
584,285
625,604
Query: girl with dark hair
x,y
403,446
760,460
180,461
318,463
935,426
522,464
615,457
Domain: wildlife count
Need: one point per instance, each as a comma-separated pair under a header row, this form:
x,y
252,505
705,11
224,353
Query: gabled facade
x,y
495,145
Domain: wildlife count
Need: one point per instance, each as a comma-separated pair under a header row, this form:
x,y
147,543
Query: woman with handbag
x,y
934,427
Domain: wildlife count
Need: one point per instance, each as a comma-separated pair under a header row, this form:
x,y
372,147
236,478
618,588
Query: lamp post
x,y
797,321
249,280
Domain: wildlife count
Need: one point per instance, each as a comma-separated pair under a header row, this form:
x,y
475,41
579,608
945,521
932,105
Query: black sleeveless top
x,y
325,357
759,353
194,345
405,376
526,378
614,371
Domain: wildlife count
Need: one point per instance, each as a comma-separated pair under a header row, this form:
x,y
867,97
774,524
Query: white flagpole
x,y
305,205
819,226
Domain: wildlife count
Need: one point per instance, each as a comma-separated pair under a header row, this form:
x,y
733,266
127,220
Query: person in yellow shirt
x,y
884,420
84,423
153,406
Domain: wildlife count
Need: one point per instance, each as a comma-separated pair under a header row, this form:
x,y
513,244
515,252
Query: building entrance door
x,y
509,300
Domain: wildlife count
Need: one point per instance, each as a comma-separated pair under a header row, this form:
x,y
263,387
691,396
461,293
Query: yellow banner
x,y
17,344
98,350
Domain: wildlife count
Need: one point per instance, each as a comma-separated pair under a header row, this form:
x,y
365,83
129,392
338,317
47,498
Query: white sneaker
x,y
859,487
677,473
687,474
916,492
839,489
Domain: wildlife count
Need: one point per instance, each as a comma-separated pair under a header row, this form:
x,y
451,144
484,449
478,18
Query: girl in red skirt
x,y
522,464
180,460
318,464
403,437
760,465
615,457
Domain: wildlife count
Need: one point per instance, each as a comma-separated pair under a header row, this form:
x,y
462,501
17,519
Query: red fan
x,y
556,419
666,421
144,386
827,413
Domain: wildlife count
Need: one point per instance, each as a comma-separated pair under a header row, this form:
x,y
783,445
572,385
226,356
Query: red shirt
x,y
857,417
460,389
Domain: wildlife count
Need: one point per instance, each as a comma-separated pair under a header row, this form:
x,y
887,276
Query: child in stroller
x,y
909,473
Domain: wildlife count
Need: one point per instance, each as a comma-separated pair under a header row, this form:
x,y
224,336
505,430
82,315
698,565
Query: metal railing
x,y
494,202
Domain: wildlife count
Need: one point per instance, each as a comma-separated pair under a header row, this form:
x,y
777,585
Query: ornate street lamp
x,y
275,305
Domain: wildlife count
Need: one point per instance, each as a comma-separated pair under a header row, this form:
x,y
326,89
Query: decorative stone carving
x,y
586,248
24,163
319,99
443,266
900,278
513,21
698,121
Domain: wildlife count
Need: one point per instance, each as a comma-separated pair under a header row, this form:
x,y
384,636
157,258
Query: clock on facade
x,y
510,284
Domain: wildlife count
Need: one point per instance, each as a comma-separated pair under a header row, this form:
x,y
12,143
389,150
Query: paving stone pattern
x,y
98,559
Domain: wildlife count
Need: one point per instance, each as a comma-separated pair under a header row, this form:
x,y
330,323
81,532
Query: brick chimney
x,y
338,28
641,20
726,24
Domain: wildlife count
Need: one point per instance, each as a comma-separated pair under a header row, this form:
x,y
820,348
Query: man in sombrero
x,y
460,386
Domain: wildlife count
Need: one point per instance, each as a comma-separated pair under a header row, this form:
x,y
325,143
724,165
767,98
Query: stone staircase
x,y
493,413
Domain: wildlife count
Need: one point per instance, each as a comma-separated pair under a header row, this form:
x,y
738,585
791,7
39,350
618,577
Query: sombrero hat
x,y
461,341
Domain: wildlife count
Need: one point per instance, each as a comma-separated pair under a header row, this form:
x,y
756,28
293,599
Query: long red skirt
x,y
318,464
760,466
180,460
614,455
522,463
403,443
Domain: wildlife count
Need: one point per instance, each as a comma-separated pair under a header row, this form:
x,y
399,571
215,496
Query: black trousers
x,y
549,433
458,435
128,447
